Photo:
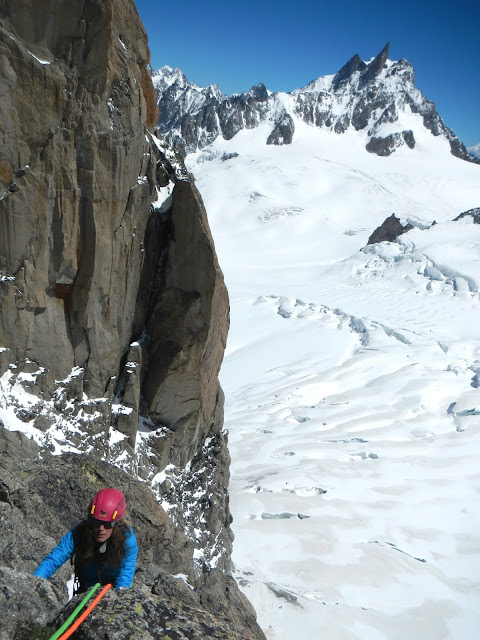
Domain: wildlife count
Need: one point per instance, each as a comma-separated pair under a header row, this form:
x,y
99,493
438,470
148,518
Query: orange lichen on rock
x,y
150,97
6,174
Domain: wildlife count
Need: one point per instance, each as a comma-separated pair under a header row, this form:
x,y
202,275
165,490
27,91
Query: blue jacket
x,y
122,577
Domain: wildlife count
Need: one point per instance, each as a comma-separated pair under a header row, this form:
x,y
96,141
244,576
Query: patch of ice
x,y
44,62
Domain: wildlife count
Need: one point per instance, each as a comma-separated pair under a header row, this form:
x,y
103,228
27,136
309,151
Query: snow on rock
x,y
377,97
164,198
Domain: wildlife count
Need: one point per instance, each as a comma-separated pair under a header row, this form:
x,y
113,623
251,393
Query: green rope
x,y
69,621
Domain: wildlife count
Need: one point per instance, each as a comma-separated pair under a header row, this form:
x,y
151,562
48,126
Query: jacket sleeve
x,y
62,552
125,575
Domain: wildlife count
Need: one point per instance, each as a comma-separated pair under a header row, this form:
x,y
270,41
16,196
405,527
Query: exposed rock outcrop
x,y
113,310
390,229
374,68
72,136
472,213
283,131
386,146
113,306
40,500
342,77
136,615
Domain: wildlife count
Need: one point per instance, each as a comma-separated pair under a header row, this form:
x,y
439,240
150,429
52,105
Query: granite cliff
x,y
113,309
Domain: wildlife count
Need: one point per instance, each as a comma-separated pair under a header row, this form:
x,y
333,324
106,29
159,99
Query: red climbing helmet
x,y
108,505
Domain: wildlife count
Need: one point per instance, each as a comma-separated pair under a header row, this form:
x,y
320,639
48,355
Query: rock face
x,y
282,131
113,309
364,96
390,229
113,306
40,500
472,213
72,133
388,145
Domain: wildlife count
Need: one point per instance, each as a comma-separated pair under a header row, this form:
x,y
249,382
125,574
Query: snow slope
x,y
350,375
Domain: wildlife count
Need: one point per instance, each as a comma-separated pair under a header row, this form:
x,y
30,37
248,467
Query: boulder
x,y
389,230
28,605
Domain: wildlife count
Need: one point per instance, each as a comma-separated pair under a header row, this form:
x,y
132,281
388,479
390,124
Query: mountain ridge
x,y
376,97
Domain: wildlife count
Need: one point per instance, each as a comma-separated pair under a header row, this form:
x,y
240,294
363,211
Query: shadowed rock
x,y
390,229
375,67
473,213
283,131
114,303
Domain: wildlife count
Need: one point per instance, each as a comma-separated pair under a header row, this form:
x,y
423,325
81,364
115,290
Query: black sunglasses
x,y
96,524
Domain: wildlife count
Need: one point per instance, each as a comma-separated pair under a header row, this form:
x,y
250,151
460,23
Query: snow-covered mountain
x,y
378,97
351,370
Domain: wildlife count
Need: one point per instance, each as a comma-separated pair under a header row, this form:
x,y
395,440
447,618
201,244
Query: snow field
x,y
352,401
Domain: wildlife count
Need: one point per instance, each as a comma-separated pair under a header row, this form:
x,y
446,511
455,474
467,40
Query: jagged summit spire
x,y
375,67
346,72
369,71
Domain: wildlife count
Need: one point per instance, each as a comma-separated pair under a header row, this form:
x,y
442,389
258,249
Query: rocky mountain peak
x,y
166,77
259,92
342,77
375,97
213,92
374,68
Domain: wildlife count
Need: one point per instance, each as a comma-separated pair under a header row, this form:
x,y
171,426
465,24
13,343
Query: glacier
x,y
351,381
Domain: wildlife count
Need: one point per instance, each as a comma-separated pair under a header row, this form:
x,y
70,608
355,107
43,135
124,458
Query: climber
x,y
104,549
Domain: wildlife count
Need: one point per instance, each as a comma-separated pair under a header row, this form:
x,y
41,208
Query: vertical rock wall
x,y
112,303
78,181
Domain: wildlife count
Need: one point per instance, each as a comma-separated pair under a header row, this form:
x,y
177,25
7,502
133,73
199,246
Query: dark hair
x,y
87,548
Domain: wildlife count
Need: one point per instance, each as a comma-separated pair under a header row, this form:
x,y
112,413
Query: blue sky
x,y
286,45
